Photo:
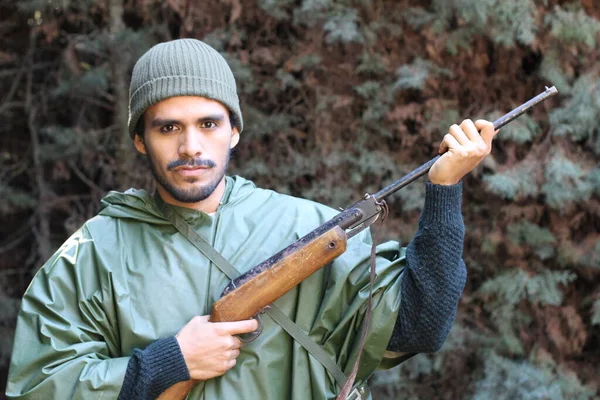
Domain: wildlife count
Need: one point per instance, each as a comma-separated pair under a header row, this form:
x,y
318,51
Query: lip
x,y
191,171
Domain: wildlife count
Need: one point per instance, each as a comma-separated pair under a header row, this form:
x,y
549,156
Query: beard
x,y
192,195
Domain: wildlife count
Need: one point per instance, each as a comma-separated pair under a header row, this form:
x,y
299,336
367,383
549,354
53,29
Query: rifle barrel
x,y
499,123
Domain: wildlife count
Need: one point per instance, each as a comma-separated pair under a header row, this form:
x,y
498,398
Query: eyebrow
x,y
156,122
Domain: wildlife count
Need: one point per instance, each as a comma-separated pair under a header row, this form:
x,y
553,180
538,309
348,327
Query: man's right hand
x,y
210,348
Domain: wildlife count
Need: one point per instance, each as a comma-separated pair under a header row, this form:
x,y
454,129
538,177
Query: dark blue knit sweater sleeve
x,y
435,276
153,370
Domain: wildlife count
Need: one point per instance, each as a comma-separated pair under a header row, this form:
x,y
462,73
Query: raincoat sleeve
x,y
66,343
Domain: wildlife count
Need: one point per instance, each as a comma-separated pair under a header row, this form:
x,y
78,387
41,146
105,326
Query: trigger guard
x,y
251,336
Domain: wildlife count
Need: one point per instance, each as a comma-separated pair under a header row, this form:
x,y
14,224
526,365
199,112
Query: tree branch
x,y
42,231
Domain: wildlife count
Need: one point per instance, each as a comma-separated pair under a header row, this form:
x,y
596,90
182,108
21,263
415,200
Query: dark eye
x,y
168,128
208,125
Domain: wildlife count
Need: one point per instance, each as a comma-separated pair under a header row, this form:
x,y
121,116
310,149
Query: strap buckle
x,y
356,393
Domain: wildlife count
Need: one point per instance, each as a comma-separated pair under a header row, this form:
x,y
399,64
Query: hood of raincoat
x,y
128,278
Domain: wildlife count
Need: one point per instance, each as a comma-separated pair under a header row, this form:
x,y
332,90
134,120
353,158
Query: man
x,y
121,309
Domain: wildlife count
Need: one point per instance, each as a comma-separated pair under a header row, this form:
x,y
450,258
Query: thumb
x,y
486,129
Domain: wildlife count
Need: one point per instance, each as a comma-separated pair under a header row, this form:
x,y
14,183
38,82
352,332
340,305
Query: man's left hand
x,y
462,149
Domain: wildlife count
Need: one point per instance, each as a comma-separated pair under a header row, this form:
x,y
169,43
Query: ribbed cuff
x,y
442,204
168,366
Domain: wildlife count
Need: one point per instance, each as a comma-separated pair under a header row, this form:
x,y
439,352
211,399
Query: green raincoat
x,y
127,278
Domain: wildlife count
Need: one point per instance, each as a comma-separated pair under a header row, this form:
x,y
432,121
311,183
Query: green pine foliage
x,y
343,27
523,130
243,74
412,198
14,199
414,379
278,9
378,101
262,125
341,22
506,379
578,119
565,182
541,240
579,255
439,15
378,163
552,70
543,287
93,81
514,22
31,6
341,98
438,121
514,183
60,141
506,22
505,291
370,64
571,25
415,75
401,383
307,14
524,232
594,179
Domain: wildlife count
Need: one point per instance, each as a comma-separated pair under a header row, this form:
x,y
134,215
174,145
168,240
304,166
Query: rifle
x,y
249,294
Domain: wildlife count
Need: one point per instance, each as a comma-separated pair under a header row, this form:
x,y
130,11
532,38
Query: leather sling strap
x,y
273,311
347,387
190,234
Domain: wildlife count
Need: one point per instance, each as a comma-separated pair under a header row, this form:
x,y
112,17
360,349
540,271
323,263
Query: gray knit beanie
x,y
183,67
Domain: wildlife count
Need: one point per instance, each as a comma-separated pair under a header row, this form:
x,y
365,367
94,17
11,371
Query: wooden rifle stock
x,y
282,272
292,266
249,294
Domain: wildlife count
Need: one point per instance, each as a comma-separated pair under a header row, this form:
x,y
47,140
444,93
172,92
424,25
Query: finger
x,y
225,365
237,327
236,343
448,143
459,135
227,343
487,131
232,354
468,127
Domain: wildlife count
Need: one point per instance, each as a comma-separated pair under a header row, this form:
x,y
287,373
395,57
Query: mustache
x,y
195,162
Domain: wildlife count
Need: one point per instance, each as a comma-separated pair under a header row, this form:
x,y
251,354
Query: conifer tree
x,y
341,97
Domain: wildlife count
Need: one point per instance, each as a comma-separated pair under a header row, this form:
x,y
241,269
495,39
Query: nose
x,y
190,145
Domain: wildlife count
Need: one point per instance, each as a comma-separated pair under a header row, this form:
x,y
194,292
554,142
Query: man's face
x,y
187,140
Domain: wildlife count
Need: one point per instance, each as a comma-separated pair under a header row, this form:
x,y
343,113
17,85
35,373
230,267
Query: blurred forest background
x,y
340,98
